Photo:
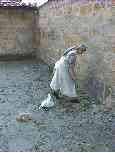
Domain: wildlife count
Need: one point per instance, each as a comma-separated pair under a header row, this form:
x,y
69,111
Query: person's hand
x,y
73,78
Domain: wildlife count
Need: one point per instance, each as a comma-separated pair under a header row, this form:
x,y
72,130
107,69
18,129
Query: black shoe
x,y
56,94
75,101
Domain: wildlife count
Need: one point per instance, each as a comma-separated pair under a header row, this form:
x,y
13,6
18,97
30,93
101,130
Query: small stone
x,y
13,90
2,90
3,101
110,119
63,110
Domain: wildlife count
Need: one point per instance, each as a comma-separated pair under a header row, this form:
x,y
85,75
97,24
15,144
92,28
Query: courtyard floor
x,y
23,85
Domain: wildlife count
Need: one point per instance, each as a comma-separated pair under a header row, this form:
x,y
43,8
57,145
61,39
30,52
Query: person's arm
x,y
72,61
72,71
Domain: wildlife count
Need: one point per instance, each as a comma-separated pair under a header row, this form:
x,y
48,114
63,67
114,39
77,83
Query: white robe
x,y
61,79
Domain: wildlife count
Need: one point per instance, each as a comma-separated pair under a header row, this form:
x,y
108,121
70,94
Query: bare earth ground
x,y
23,85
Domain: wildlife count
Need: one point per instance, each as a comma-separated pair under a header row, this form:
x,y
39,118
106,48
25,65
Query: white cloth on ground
x,y
48,102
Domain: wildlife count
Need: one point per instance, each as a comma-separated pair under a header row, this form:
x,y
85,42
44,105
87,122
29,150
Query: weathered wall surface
x,y
16,32
66,24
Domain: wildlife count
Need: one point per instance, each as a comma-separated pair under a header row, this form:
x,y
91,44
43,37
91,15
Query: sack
x,y
47,103
24,117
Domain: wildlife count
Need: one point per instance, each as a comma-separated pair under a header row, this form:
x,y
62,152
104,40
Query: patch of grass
x,y
84,103
84,99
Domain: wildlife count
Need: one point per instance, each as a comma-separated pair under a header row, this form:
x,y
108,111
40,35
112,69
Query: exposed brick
x,y
16,32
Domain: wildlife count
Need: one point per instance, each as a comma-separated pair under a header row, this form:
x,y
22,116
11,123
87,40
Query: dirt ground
x,y
23,85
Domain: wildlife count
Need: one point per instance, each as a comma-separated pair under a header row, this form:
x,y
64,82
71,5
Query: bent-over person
x,y
64,75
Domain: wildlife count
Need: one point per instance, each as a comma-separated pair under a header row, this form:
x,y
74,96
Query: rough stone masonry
x,y
16,32
65,23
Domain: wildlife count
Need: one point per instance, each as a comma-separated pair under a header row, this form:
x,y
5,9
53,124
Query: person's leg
x,y
55,93
75,100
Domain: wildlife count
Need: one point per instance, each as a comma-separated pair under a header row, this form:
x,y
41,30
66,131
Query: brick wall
x,y
16,32
65,24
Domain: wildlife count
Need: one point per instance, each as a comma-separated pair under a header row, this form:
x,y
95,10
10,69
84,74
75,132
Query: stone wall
x,y
16,32
65,24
